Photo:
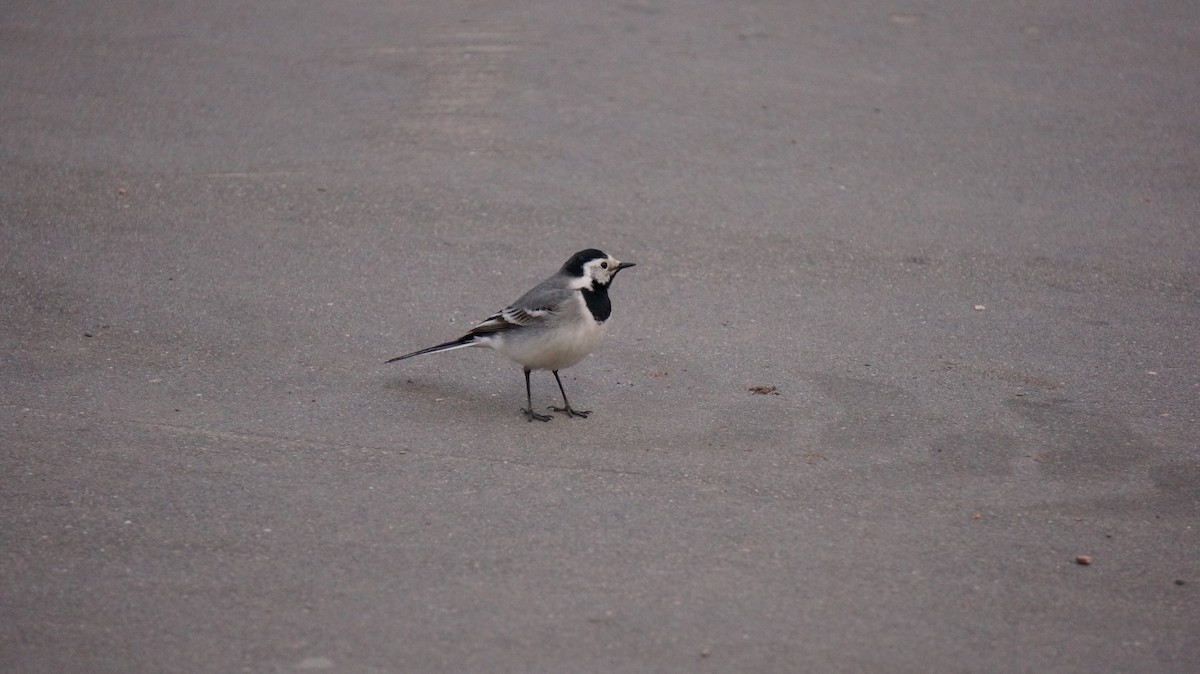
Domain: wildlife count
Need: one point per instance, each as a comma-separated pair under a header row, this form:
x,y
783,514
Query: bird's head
x,y
591,268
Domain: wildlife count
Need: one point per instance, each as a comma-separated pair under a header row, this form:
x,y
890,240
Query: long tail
x,y
469,339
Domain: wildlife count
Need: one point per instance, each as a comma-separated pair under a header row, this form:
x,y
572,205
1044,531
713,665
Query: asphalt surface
x,y
959,239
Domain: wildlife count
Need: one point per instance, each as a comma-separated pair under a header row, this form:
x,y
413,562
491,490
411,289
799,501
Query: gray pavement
x,y
959,239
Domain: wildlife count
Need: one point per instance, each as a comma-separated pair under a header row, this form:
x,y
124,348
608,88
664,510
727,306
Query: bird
x,y
553,326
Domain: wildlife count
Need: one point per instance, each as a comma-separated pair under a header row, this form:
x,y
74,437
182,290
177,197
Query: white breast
x,y
558,348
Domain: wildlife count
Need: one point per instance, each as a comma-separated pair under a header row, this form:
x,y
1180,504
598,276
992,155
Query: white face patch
x,y
598,271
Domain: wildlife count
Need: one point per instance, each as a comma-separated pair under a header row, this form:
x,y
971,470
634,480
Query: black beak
x,y
622,265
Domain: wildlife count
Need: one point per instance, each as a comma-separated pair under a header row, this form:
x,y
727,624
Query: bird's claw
x,y
582,414
531,415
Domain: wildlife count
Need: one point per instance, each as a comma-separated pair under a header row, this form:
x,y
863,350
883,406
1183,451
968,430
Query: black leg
x,y
566,405
529,413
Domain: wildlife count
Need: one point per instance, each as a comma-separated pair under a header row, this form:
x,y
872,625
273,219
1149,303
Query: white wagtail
x,y
551,327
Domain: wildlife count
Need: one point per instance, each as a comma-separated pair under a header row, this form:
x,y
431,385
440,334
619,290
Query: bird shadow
x,y
432,397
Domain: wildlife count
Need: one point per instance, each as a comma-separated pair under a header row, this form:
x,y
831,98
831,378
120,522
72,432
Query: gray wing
x,y
541,306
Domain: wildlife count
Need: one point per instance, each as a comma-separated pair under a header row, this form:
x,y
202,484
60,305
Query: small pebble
x,y
1083,560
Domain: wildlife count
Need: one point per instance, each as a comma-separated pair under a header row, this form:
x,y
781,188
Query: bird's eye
x,y
604,265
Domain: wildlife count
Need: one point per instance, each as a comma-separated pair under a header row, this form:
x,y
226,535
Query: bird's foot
x,y
582,414
531,415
